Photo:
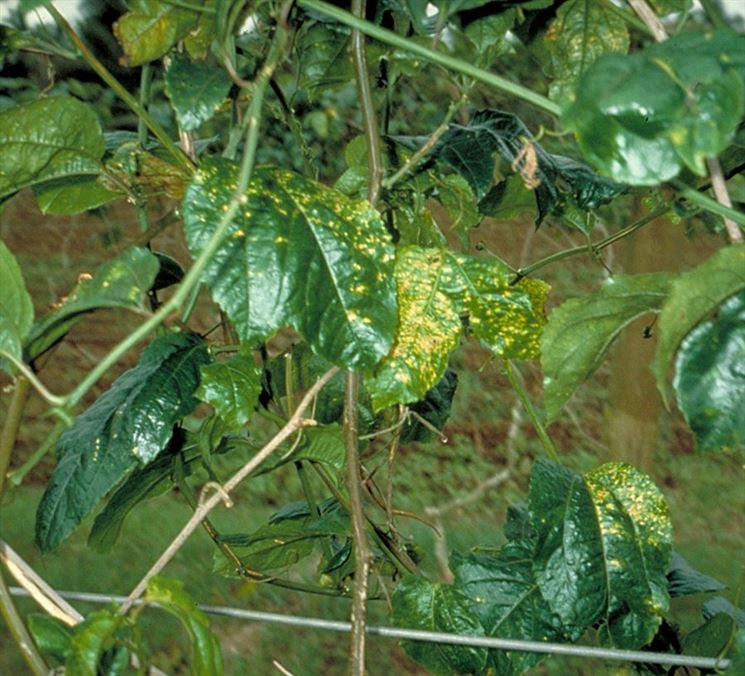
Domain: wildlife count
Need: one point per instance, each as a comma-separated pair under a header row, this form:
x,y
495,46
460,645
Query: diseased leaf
x,y
505,597
50,138
129,424
150,29
694,296
580,331
603,547
297,254
232,388
710,378
89,640
120,282
581,32
72,195
436,290
641,118
16,308
196,90
323,58
421,604
683,579
169,595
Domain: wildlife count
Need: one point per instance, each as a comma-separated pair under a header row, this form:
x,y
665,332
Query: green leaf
x,y
641,118
51,636
694,296
434,408
90,638
683,579
150,29
120,282
16,308
436,288
421,604
719,604
323,58
664,7
508,199
297,254
320,444
506,598
709,378
51,138
232,388
581,32
131,423
603,547
711,638
196,90
458,199
488,36
580,331
72,195
169,595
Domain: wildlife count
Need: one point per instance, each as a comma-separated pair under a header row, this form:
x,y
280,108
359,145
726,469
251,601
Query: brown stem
x,y
11,425
720,191
647,15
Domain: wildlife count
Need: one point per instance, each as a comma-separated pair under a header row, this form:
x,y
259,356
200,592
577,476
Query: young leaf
x,y
643,117
581,32
51,636
580,331
196,90
298,254
16,308
150,29
48,139
683,579
709,380
232,388
505,597
603,547
169,595
323,58
694,296
131,423
120,282
89,640
421,604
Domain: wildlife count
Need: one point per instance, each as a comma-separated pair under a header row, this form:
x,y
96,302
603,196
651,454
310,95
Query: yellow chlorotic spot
x,y
279,239
238,234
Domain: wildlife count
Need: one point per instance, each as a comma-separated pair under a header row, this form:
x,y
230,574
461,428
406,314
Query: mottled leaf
x,y
120,282
297,254
196,89
150,29
48,139
437,289
90,639
16,308
323,58
129,424
421,604
581,32
169,595
694,296
232,388
710,378
603,547
641,118
580,331
683,579
72,195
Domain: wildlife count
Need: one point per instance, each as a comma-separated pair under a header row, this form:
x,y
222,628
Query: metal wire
x,y
433,636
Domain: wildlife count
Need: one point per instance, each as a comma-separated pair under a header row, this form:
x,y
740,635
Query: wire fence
x,y
668,659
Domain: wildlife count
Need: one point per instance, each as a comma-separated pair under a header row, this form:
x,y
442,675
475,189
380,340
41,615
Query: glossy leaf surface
x,y
120,282
88,642
641,118
603,547
196,90
694,296
298,254
580,331
421,604
434,408
16,308
710,378
436,289
150,29
169,595
51,636
232,388
129,424
48,139
72,195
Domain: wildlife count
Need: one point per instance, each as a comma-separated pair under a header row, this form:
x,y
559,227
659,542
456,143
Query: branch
x,y
206,506
652,21
19,632
720,190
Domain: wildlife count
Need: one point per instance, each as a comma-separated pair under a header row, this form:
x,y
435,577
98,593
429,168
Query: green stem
x,y
19,632
120,91
522,394
195,272
192,7
12,424
17,476
145,82
714,13
702,200
26,372
592,249
457,65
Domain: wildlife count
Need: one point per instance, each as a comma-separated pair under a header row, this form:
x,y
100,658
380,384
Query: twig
x,y
647,15
19,632
720,190
293,424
